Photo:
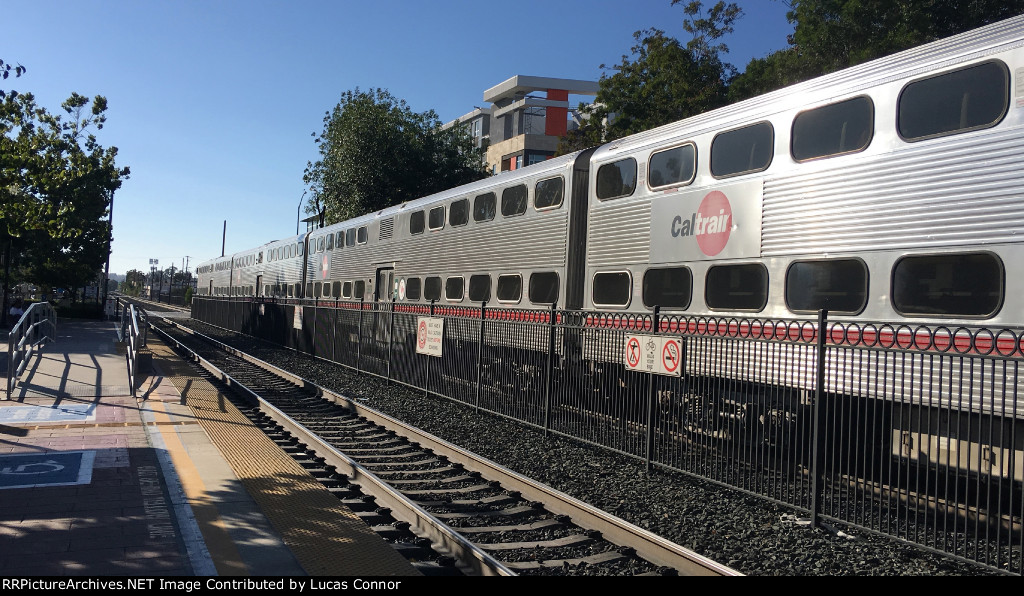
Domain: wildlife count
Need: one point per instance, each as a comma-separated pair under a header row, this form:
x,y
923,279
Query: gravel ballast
x,y
747,533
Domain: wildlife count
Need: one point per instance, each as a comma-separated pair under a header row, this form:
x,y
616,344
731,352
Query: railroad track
x,y
490,520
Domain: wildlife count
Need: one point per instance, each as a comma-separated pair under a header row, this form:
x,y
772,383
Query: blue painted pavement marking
x,y
55,468
42,414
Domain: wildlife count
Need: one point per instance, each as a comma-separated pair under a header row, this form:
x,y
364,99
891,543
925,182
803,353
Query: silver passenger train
x,y
890,191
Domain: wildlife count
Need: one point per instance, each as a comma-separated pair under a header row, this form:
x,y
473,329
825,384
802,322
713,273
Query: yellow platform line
x,y
218,540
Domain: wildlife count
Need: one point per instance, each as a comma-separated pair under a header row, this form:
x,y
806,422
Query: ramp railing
x,y
33,329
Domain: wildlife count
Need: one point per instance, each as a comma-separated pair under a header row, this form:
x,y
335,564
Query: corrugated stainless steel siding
x,y
969,191
619,232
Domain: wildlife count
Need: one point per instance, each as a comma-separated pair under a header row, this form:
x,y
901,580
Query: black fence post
x,y
649,450
391,334
549,374
426,377
817,438
480,356
359,335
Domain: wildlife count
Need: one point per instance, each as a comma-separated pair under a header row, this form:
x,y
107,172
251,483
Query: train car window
x,y
299,249
412,288
548,193
361,235
454,289
350,237
458,213
736,287
484,206
835,129
330,242
839,285
317,290
544,288
616,179
340,242
435,220
431,288
336,290
743,150
510,288
346,289
320,244
612,289
670,167
514,200
416,222
266,290
358,289
671,287
479,288
966,99
309,290
327,289
952,285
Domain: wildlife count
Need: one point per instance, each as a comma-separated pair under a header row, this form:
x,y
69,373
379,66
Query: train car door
x,y
259,285
385,288
382,293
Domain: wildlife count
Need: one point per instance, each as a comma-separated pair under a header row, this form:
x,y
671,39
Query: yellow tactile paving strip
x,y
326,537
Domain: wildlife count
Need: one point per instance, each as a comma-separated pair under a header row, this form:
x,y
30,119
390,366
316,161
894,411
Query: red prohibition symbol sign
x,y
633,351
670,356
422,335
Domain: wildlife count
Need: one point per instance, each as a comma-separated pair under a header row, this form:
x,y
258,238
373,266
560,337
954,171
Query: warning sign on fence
x,y
297,318
429,335
654,354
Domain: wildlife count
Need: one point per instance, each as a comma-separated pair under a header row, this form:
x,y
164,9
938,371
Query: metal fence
x,y
913,432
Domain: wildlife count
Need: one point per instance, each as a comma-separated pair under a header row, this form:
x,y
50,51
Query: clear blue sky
x,y
212,103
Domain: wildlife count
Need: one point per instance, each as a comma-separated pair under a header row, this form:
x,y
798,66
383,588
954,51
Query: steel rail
x,y
648,545
473,560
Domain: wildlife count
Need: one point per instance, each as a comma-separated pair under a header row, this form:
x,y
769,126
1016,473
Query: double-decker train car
x,y
891,191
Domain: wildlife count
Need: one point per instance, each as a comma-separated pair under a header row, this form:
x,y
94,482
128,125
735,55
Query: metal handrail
x,y
134,334
25,337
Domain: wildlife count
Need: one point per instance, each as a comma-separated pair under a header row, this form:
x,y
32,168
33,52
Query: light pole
x,y
110,238
152,278
298,213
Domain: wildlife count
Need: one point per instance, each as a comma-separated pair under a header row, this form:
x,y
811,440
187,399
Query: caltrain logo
x,y
325,267
710,225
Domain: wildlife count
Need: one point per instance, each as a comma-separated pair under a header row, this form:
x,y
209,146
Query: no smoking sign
x,y
655,354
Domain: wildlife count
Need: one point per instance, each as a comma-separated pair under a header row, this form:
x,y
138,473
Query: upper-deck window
x,y
616,179
966,99
416,222
548,193
458,213
743,150
341,239
514,200
330,242
361,235
835,129
435,221
484,207
350,237
672,166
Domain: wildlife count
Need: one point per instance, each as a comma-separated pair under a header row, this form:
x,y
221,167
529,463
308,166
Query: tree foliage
x,y
56,183
376,152
663,80
830,35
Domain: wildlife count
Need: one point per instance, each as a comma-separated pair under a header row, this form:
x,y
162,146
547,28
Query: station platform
x,y
172,482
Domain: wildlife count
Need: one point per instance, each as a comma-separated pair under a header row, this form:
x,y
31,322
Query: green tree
x,y
56,181
376,152
830,35
134,280
663,80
